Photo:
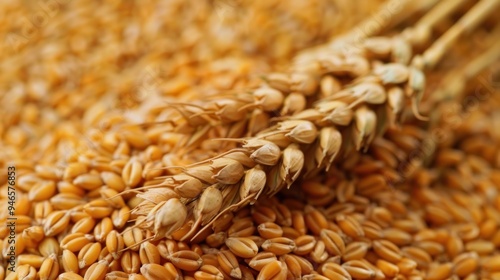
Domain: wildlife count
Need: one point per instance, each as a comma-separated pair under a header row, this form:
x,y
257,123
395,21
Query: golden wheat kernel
x,y
48,172
272,270
279,245
439,271
482,247
283,215
132,173
49,246
419,256
69,276
117,275
42,210
466,232
431,247
26,271
406,266
334,271
88,181
132,237
130,262
66,201
350,226
315,221
153,152
298,222
94,194
186,260
97,271
216,240
69,262
356,250
158,272
359,270
136,137
390,270
378,273
74,169
397,236
269,230
135,276
208,272
149,253
152,170
242,246
488,228
210,257
387,250
491,264
465,264
69,188
105,255
98,209
371,229
113,181
334,243
345,191
49,268
22,223
76,241
115,244
314,277
183,246
290,232
260,260
319,254
120,217
30,259
339,208
41,191
112,196
114,265
228,263
89,254
241,228
304,245
77,214
85,225
454,246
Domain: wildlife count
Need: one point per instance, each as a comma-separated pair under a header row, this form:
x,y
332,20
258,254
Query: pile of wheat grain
x,y
99,197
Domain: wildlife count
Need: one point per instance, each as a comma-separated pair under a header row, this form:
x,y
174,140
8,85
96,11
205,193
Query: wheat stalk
x,y
359,93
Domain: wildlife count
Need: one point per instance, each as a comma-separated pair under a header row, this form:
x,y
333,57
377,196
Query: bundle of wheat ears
x,y
342,165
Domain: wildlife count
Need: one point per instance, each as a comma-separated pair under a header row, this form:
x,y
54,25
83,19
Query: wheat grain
x,y
273,270
304,245
76,241
26,272
186,260
88,254
49,269
96,271
88,181
30,259
242,246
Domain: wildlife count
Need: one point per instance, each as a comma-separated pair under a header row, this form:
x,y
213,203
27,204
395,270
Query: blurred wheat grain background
x,y
60,58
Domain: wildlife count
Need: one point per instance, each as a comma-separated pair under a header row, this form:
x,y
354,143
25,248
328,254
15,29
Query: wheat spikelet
x,y
370,85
